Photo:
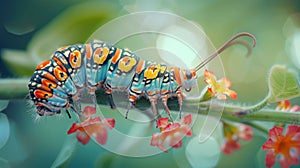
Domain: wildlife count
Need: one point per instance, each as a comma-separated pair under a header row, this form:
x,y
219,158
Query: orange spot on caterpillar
x,y
75,59
60,74
50,77
140,66
117,56
59,63
88,51
42,94
177,75
43,65
48,83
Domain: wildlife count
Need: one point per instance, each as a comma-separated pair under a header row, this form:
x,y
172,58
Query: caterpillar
x,y
57,83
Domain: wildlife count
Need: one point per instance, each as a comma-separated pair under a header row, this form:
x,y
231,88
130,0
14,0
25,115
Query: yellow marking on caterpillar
x,y
126,64
152,71
100,59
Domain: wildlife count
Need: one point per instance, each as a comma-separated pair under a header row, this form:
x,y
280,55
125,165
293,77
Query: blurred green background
x,y
31,29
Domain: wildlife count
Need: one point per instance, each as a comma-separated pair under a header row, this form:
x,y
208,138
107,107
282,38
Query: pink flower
x,y
171,133
92,126
285,105
286,146
232,135
219,88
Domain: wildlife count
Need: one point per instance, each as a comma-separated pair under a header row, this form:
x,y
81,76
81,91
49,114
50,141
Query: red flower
x,y
171,133
92,127
219,88
287,146
232,134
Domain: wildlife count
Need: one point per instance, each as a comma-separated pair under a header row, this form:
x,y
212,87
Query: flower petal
x,y
172,133
162,148
226,82
295,108
162,122
73,128
178,145
231,93
285,104
230,145
83,137
208,74
275,133
90,121
187,119
292,130
154,139
270,159
269,145
158,140
226,150
287,146
186,130
175,140
245,132
89,111
287,160
211,90
101,136
110,122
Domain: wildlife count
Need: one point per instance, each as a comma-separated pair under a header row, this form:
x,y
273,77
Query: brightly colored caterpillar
x,y
59,81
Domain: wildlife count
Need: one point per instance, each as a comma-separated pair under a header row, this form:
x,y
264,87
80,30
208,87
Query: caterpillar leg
x,y
179,96
130,106
93,97
111,101
76,102
110,98
165,103
132,100
79,115
153,101
69,115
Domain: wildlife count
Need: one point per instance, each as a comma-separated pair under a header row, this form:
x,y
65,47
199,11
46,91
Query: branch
x,y
13,88
17,89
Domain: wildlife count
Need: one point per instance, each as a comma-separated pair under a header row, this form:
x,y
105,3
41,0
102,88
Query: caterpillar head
x,y
42,96
188,78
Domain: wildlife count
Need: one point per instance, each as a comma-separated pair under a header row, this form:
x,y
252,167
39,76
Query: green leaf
x,y
74,25
283,84
3,104
66,153
18,62
4,127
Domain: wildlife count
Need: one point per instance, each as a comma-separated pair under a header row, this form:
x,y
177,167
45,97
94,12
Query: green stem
x,y
270,115
17,89
13,88
254,108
